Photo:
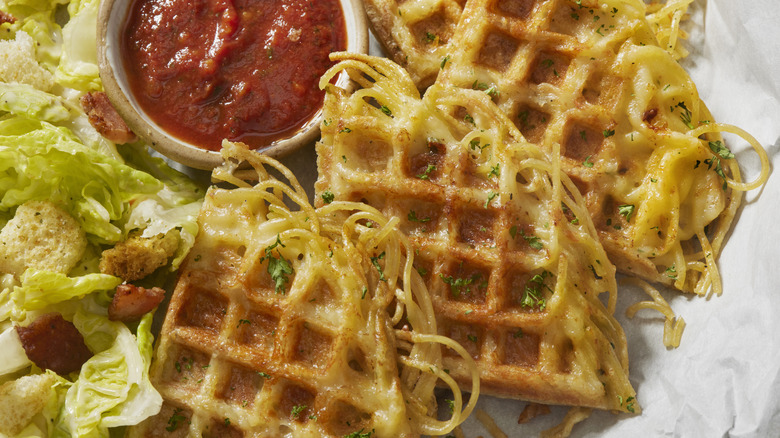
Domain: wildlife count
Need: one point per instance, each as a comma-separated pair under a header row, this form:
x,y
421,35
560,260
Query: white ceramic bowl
x,y
111,18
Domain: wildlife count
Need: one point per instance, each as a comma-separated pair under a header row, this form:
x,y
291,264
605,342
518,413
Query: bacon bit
x,y
55,344
649,115
131,302
5,17
104,118
531,411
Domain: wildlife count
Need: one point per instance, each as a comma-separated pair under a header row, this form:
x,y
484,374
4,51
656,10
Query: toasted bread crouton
x,y
137,257
21,399
42,236
18,63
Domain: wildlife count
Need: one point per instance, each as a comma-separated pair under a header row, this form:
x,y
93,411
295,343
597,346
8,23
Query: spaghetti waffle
x,y
502,240
417,33
660,185
282,322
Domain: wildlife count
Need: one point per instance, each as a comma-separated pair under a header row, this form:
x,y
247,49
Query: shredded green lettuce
x,y
42,289
78,67
26,100
113,388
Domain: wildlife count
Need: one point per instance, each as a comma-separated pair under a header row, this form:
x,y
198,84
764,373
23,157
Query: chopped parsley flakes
x,y
686,115
626,211
359,434
457,284
375,262
328,196
278,267
490,198
587,162
296,410
175,420
412,217
533,295
427,173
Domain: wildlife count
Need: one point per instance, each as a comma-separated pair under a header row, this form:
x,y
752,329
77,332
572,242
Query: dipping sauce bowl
x,y
185,74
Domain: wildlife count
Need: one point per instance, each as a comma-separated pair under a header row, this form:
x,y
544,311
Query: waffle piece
x,y
502,239
633,134
279,323
415,33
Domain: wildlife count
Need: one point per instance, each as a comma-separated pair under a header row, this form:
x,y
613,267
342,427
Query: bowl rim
x,y
112,13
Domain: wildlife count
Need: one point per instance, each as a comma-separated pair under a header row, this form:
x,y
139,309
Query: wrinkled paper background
x,y
724,379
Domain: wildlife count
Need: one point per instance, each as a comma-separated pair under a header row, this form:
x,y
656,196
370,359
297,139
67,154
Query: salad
x,y
49,152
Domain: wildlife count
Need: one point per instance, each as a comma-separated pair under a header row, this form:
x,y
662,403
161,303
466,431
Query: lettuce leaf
x,y
37,19
14,357
23,99
78,67
113,388
41,161
42,289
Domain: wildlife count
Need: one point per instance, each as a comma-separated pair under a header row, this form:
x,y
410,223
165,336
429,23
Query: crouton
x,y
21,400
42,236
138,256
18,63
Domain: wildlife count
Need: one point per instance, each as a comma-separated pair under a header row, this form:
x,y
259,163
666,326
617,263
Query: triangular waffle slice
x,y
502,239
633,134
279,322
418,34
415,34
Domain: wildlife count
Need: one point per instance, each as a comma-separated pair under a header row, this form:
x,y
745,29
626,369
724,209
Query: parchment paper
x,y
724,379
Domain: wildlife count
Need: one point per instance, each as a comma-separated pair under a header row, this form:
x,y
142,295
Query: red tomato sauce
x,y
245,70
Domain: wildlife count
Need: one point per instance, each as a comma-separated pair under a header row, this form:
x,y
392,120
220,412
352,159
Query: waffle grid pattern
x,y
415,34
589,76
488,226
240,357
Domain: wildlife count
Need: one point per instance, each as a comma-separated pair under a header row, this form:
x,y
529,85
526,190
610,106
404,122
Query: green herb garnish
x,y
176,418
626,211
278,267
412,216
375,262
426,175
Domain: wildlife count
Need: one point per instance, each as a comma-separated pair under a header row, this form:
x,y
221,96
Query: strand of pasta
x,y
666,19
735,183
460,413
490,424
373,91
673,325
573,416
420,386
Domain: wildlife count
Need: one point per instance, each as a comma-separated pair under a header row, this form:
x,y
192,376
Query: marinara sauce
x,y
245,70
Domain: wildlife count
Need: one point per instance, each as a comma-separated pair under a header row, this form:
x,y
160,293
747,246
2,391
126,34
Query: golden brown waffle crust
x,y
466,193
